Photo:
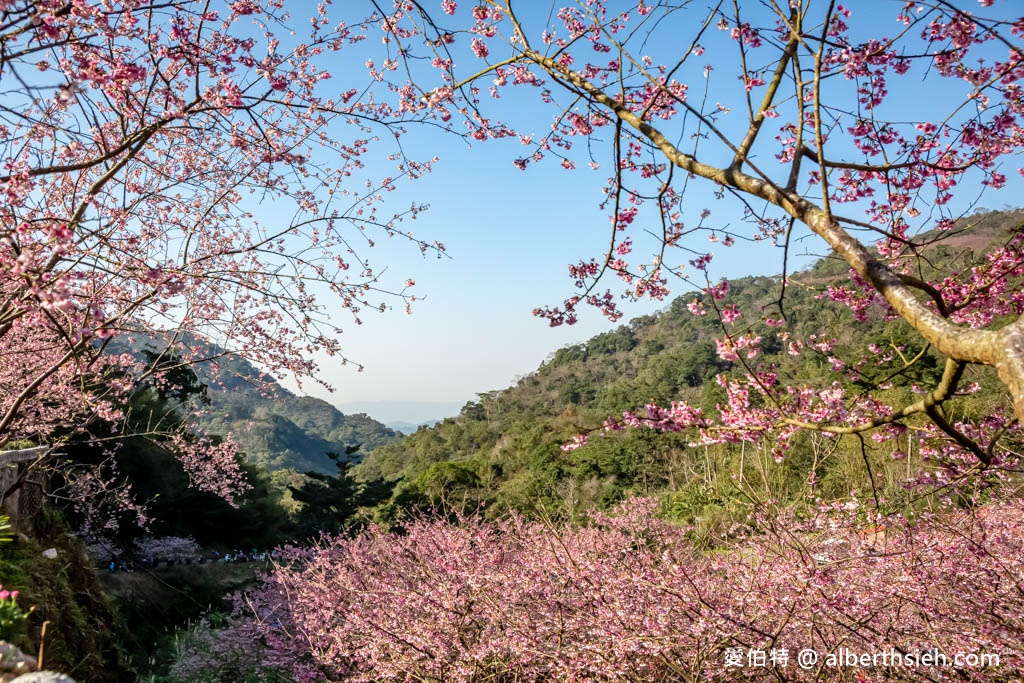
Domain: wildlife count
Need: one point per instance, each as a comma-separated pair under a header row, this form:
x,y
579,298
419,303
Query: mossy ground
x,y
83,632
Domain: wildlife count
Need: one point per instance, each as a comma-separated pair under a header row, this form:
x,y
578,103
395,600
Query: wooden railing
x,y
21,491
22,455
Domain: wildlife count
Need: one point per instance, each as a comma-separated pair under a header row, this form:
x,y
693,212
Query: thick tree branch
x,y
1003,350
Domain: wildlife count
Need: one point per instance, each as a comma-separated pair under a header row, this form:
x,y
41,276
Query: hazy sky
x,y
510,235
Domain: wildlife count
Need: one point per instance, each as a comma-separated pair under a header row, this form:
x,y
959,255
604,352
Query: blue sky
x,y
510,235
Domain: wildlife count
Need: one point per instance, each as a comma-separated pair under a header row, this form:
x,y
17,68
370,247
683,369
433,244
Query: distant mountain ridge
x,y
275,428
410,427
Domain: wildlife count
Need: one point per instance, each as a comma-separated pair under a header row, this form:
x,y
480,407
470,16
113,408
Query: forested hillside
x,y
503,450
285,431
275,428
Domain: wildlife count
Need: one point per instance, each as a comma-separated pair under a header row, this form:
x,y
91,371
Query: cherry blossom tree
x,y
188,170
806,114
806,128
869,127
628,598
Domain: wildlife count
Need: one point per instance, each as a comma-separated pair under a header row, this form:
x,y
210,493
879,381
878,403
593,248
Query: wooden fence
x,y
21,502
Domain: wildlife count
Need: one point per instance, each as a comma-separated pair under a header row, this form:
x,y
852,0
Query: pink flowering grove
x,y
208,176
626,597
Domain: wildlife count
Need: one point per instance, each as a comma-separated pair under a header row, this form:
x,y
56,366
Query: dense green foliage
x,y
331,504
85,637
502,452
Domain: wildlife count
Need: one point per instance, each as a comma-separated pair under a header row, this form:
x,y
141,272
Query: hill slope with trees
x,y
284,431
274,428
504,450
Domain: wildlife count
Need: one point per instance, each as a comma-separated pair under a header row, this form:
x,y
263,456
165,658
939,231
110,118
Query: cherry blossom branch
x,y
976,346
743,151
